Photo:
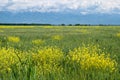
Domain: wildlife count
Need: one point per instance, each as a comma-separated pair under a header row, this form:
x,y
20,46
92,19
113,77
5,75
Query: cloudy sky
x,y
60,11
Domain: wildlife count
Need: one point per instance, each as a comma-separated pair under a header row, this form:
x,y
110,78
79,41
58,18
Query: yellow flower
x,y
38,41
9,69
48,59
57,37
9,57
48,27
118,34
88,59
15,27
84,31
13,39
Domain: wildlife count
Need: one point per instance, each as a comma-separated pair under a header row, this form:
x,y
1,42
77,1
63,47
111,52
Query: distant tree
x,y
77,24
70,25
62,24
101,24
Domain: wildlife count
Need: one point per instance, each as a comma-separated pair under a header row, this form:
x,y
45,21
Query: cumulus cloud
x,y
81,6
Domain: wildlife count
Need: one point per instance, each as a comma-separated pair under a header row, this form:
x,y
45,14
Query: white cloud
x,y
3,3
83,6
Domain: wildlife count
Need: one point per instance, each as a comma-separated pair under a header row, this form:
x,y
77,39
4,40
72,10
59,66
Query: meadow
x,y
59,52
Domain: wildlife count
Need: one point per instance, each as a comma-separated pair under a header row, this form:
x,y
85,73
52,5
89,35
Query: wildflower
x,y
57,37
15,27
84,31
38,41
48,27
118,34
48,59
13,39
89,59
7,59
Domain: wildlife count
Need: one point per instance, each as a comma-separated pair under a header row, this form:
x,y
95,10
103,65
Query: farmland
x,y
59,52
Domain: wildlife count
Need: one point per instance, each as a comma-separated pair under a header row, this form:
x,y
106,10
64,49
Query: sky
x,y
60,11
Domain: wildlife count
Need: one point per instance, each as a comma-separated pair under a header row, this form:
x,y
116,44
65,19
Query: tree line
x,y
36,24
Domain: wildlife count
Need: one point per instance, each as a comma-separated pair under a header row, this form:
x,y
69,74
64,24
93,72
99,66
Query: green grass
x,y
72,37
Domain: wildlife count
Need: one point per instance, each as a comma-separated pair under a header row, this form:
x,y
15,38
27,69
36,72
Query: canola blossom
x,y
15,27
52,60
88,58
48,27
13,39
38,41
118,34
57,37
48,60
8,58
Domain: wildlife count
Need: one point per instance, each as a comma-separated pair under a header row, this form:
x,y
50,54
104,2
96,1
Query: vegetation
x,y
59,53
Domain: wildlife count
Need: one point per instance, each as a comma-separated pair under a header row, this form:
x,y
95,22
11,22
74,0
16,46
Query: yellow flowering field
x,y
70,53
50,61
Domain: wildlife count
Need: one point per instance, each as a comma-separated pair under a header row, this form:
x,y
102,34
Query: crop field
x,y
59,52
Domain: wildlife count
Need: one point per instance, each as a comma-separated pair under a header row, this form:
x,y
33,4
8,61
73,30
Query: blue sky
x,y
60,11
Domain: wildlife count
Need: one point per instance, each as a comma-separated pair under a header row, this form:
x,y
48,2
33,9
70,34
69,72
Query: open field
x,y
59,52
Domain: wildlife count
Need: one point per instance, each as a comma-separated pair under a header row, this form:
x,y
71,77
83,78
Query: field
x,y
59,52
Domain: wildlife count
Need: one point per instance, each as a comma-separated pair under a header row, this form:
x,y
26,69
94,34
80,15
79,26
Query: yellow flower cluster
x,y
48,27
15,27
9,57
38,41
51,60
13,39
84,31
89,59
48,60
118,34
57,37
